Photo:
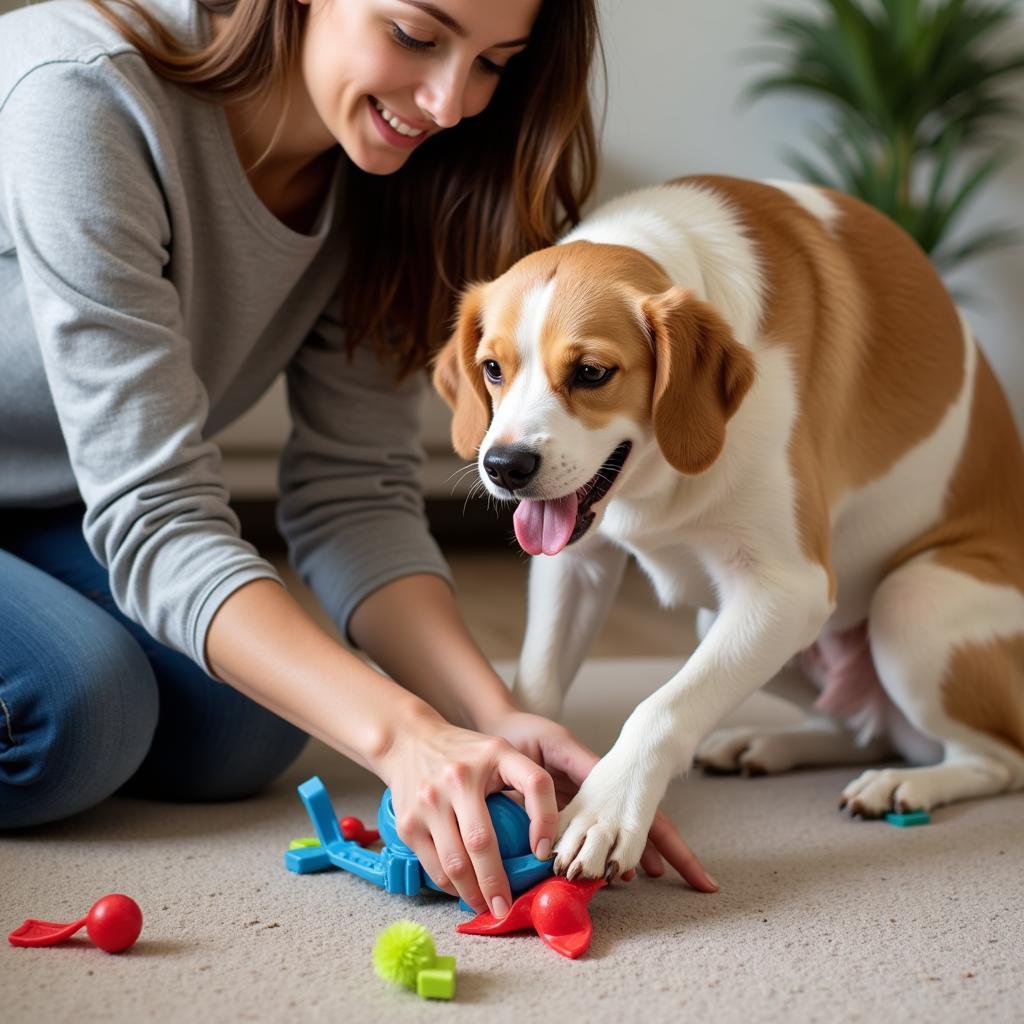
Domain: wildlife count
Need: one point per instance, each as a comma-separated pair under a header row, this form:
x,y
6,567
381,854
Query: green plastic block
x,y
436,983
906,820
445,963
302,842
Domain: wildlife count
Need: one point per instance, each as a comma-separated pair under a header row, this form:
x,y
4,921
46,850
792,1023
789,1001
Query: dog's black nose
x,y
511,467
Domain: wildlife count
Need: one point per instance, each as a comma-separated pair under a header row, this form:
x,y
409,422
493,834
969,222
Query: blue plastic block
x,y
908,819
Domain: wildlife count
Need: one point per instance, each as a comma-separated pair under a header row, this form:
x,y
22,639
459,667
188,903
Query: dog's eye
x,y
589,374
492,371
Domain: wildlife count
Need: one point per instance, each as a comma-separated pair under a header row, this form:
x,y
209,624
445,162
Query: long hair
x,y
465,206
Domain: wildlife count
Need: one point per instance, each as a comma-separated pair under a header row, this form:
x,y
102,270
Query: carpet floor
x,y
819,917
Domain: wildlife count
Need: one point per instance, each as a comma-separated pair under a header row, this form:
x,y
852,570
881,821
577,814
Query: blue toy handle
x,y
307,859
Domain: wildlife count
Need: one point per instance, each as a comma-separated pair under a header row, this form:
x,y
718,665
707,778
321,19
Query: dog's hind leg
x,y
569,597
949,649
767,750
820,739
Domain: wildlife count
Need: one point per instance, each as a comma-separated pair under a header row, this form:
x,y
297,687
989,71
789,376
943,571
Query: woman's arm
x,y
265,644
413,630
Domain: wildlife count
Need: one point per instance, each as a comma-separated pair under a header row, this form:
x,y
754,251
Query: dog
x,y
763,393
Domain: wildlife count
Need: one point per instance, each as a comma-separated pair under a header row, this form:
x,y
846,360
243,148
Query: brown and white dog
x,y
763,393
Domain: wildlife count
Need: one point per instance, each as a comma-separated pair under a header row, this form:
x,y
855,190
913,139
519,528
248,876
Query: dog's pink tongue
x,y
545,525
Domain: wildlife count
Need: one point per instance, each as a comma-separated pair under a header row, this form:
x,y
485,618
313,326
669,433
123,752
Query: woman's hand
x,y
440,776
568,762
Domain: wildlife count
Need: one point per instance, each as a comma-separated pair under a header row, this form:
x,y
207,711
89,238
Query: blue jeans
x,y
91,705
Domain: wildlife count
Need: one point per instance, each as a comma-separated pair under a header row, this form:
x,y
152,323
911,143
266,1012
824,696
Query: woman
x,y
193,198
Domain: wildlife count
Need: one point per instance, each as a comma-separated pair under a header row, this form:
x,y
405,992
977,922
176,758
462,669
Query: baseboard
x,y
455,523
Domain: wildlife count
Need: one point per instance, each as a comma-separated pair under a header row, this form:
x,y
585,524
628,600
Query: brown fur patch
x,y
981,534
678,366
702,375
452,377
982,528
984,688
594,316
875,339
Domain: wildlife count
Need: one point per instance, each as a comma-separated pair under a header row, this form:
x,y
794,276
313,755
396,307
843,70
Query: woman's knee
x,y
261,750
78,702
212,742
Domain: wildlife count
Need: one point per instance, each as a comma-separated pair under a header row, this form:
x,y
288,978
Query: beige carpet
x,y
819,918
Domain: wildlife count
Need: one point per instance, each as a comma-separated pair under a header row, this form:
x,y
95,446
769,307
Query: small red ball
x,y
351,828
114,922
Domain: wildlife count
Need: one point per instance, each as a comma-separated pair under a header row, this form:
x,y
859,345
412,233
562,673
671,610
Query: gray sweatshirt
x,y
147,299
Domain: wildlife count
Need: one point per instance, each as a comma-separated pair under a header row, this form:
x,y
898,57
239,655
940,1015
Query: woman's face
x,y
384,75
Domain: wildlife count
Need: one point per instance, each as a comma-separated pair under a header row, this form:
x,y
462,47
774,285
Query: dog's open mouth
x,y
548,526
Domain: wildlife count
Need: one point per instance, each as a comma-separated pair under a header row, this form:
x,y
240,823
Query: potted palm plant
x,y
916,92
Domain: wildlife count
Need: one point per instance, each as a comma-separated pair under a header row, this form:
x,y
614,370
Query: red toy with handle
x,y
113,923
555,909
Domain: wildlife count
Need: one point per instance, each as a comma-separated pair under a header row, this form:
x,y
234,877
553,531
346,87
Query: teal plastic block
x,y
906,820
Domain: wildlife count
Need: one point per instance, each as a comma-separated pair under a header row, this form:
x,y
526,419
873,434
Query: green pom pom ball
x,y
403,949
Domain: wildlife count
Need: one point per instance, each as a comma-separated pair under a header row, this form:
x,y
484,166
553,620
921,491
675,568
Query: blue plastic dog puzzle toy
x,y
396,868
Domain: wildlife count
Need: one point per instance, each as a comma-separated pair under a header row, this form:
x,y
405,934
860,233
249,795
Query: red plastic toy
x,y
113,923
555,908
353,828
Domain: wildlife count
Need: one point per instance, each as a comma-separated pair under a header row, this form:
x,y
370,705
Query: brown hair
x,y
463,207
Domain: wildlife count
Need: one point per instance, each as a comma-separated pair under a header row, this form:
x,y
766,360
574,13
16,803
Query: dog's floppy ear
x,y
455,377
701,375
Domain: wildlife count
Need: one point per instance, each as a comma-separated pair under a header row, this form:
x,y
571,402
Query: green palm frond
x,y
855,163
911,86
982,241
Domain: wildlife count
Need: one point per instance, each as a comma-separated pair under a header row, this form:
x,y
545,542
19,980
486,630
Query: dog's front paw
x,y
603,830
596,843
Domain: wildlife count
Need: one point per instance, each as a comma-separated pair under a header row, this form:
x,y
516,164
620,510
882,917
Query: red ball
x,y
351,828
114,922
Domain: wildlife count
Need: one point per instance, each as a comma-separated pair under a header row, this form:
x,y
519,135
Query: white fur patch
x,y
811,198
516,420
536,304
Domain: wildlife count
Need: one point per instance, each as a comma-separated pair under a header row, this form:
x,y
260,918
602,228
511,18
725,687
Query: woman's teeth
x,y
397,123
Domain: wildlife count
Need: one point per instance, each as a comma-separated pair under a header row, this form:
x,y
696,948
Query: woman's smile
x,y
393,128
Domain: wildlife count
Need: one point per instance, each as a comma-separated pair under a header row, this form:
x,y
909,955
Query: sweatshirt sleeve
x,y
84,209
351,505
